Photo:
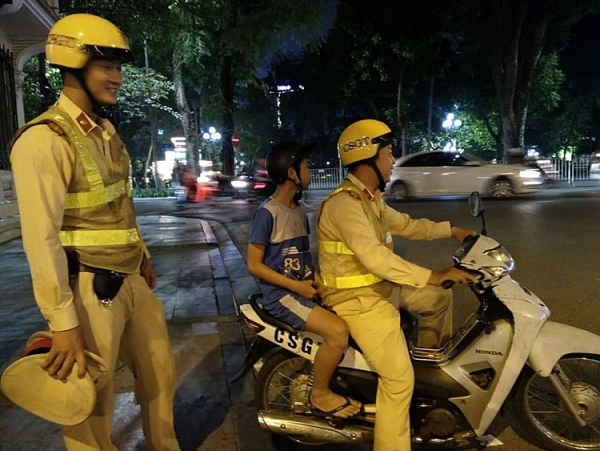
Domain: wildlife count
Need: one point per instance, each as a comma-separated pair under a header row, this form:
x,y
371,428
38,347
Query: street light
x,y
451,123
211,136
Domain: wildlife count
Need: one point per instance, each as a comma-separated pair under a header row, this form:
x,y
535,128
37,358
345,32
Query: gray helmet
x,y
284,156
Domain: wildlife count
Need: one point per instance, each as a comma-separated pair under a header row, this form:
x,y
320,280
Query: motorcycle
x,y
508,346
253,188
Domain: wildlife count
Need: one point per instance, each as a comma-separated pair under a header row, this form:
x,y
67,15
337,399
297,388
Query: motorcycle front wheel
x,y
544,414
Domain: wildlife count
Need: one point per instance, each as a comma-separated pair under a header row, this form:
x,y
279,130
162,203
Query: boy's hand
x,y
305,289
321,289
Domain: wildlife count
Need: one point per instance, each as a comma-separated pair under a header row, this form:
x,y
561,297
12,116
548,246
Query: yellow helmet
x,y
76,38
361,140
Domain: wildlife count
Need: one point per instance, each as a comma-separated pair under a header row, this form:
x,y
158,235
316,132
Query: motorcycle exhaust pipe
x,y
313,429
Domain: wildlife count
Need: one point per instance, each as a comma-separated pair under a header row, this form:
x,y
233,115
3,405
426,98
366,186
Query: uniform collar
x,y
83,121
360,185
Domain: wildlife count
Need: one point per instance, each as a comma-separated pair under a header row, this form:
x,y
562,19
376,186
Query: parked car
x,y
595,166
440,173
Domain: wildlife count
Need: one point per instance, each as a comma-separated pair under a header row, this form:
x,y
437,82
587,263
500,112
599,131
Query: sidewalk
x,y
202,277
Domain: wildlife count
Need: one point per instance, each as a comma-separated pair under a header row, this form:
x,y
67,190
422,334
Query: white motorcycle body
x,y
483,359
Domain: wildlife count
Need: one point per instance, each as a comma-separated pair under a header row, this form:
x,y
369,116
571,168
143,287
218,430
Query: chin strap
x,y
298,194
381,185
104,111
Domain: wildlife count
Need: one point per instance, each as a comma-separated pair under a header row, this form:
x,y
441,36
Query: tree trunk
x,y
151,156
512,56
187,120
430,114
399,110
228,124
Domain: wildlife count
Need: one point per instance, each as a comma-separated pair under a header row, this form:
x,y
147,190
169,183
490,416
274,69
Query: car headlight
x,y
530,174
505,264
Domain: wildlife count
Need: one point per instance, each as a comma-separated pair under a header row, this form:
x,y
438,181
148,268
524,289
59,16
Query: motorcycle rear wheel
x,y
276,382
543,414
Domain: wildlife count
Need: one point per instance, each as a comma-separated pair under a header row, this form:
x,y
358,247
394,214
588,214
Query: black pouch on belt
x,y
107,283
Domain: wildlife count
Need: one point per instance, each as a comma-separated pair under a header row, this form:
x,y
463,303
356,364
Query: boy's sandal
x,y
332,413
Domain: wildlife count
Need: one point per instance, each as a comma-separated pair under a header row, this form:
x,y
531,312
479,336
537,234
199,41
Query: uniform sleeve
x,y
403,225
344,216
42,165
261,228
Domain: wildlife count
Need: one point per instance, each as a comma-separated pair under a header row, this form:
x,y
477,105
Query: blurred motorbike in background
x,y
254,188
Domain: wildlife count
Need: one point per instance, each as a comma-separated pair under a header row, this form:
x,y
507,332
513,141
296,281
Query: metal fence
x,y
6,186
578,168
8,104
328,178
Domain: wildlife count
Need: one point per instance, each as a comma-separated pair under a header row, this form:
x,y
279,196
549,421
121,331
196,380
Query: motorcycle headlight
x,y
505,264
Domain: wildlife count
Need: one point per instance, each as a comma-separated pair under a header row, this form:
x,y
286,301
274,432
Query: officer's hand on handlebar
x,y
450,276
461,234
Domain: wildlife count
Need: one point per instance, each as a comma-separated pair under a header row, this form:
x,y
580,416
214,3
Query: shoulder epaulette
x,y
56,128
353,195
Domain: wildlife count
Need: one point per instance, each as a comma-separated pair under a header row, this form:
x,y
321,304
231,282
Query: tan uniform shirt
x,y
43,164
343,219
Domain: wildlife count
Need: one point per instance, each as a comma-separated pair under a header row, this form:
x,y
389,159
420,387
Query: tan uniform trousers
x,y
375,325
133,329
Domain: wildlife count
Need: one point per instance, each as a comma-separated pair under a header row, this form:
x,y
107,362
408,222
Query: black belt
x,y
107,282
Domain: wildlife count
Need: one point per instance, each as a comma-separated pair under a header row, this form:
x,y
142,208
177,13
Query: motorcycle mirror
x,y
476,209
475,204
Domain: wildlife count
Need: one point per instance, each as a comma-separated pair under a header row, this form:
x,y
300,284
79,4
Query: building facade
x,y
24,25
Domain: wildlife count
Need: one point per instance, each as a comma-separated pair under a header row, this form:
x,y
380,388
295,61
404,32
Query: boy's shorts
x,y
292,311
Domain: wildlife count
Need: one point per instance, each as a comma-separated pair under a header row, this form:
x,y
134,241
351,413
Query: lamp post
x,y
450,124
211,136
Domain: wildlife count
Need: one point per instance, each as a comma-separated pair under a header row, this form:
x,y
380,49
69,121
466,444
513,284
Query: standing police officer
x,y
91,276
367,282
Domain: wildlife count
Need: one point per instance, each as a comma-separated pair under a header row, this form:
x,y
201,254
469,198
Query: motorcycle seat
x,y
265,316
407,321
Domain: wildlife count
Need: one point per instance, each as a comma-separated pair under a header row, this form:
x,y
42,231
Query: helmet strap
x,y
102,111
371,162
298,194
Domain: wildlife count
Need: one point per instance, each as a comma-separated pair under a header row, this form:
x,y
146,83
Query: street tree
x,y
511,36
397,50
237,38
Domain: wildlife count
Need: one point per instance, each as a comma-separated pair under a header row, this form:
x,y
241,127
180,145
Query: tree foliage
x,y
499,64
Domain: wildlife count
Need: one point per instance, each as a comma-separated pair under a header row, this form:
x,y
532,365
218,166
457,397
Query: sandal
x,y
332,413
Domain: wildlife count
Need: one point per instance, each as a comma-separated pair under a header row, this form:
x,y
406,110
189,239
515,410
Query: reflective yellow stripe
x,y
334,247
92,174
344,282
338,247
98,237
94,198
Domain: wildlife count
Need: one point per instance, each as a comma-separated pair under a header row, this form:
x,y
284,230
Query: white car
x,y
439,173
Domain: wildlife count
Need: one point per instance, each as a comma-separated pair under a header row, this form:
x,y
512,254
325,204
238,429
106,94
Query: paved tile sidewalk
x,y
201,277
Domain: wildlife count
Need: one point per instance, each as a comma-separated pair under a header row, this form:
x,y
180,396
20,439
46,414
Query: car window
x,y
459,160
424,160
448,159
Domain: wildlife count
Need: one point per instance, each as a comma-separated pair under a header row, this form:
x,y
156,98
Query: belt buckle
x,y
106,302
